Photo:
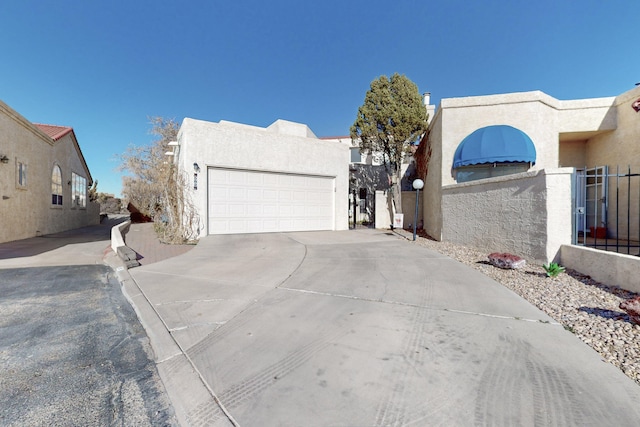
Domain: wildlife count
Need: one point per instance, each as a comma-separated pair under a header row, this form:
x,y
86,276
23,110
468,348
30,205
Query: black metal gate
x,y
607,209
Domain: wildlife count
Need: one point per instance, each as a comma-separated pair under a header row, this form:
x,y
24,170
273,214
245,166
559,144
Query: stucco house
x,y
249,179
43,179
502,168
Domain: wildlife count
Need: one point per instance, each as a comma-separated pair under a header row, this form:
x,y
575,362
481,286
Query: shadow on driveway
x,y
50,242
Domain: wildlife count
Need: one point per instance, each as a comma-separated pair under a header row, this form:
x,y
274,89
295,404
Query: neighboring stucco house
x,y
43,179
500,167
248,179
367,174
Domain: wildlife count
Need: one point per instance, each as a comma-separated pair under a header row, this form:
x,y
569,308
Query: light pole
x,y
417,184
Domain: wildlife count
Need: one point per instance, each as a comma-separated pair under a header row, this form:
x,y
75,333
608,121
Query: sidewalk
x,y
143,240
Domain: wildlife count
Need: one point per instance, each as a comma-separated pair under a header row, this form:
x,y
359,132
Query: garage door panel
x,y
218,194
218,175
237,179
255,180
218,227
255,210
269,180
254,194
237,210
284,180
270,210
252,202
284,196
269,195
237,226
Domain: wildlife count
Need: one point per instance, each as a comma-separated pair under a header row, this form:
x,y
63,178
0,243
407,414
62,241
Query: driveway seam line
x,y
193,365
406,304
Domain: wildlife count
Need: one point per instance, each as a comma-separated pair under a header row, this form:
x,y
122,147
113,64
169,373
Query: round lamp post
x,y
417,184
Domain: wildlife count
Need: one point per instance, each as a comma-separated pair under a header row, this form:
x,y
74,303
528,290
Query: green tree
x,y
392,117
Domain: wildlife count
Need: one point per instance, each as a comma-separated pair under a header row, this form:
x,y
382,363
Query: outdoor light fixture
x,y
4,159
636,105
417,184
196,167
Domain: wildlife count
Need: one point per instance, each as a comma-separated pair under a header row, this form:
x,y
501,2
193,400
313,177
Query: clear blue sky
x,y
103,67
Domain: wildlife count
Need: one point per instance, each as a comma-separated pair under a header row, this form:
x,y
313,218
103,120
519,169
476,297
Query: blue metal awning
x,y
495,144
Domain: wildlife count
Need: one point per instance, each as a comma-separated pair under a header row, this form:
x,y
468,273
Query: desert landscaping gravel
x,y
582,305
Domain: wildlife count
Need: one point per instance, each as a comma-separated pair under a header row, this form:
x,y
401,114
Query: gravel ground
x,y
583,306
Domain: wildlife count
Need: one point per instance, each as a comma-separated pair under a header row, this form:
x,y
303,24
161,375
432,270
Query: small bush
x,y
553,269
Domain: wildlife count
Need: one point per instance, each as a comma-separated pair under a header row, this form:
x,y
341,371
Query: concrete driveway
x,y
362,328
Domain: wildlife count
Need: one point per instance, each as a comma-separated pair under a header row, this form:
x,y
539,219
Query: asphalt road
x,y
73,352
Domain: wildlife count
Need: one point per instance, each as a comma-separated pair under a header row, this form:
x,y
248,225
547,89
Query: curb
x,y
185,387
118,245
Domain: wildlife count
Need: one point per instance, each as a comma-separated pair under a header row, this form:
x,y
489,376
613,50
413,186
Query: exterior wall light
x,y
196,167
417,184
636,105
4,159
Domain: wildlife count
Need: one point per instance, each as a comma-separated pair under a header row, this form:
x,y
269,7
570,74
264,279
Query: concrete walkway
x,y
361,328
143,240
82,246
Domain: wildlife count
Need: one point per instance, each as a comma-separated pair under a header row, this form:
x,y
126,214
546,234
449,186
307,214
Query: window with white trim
x,y
56,186
78,191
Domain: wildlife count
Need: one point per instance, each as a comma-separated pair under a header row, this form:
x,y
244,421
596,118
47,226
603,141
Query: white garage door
x,y
243,201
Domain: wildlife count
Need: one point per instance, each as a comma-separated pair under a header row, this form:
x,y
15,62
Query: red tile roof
x,y
55,132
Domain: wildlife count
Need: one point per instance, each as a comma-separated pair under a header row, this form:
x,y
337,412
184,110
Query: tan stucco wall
x,y
28,212
542,117
620,147
527,214
383,217
238,146
432,193
609,268
547,121
573,154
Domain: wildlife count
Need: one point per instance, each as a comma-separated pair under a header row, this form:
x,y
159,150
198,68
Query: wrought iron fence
x,y
607,208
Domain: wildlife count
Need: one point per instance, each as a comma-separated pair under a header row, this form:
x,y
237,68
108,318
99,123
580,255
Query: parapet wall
x,y
527,214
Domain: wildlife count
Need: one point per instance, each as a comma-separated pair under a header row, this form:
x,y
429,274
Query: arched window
x,y
56,186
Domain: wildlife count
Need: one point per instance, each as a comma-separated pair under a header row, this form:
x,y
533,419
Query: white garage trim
x,y
250,201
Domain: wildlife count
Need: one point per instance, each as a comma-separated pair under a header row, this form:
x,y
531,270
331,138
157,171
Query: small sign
x,y
398,220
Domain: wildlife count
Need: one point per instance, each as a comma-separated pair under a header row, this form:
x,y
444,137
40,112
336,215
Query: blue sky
x,y
104,67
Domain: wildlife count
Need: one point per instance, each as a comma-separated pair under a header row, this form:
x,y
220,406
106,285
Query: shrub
x,y
553,269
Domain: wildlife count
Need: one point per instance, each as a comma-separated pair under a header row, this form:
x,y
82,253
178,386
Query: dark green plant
x,y
392,117
553,269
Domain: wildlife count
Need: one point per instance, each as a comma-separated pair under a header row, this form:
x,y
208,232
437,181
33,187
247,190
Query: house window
x,y
21,174
78,190
474,172
56,186
356,157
